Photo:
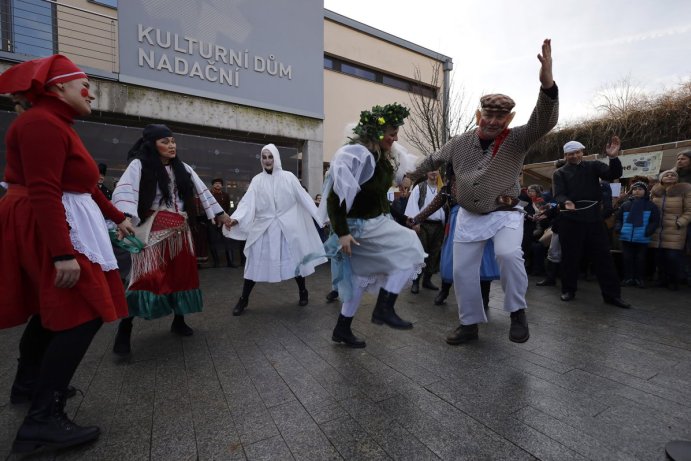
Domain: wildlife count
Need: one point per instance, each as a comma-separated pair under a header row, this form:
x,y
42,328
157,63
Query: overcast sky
x,y
494,44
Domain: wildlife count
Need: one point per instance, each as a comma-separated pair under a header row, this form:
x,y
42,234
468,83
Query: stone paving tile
x,y
388,433
302,435
593,382
467,441
352,441
578,441
268,450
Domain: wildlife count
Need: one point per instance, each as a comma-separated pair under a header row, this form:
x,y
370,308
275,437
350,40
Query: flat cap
x,y
573,146
497,103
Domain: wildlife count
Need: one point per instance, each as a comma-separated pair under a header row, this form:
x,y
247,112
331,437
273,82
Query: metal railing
x,y
44,27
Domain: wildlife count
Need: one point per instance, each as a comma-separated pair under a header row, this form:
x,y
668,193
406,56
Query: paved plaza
x,y
593,381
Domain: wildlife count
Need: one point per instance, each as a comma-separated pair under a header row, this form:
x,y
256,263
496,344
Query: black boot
x,y
122,338
415,288
47,426
343,334
179,327
551,269
384,312
443,293
518,332
427,282
485,286
302,289
332,296
240,306
303,298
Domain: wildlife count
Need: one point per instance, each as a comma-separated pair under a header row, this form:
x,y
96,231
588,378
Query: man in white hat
x,y
582,229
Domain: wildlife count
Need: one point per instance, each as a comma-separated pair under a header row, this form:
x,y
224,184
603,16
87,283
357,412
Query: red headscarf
x,y
32,77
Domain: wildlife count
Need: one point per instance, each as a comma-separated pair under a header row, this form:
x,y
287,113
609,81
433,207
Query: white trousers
x,y
467,257
394,284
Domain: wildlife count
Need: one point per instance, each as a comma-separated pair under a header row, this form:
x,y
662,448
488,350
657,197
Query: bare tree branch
x,y
425,127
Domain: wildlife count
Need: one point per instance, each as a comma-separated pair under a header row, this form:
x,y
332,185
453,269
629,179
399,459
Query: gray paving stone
x,y
270,449
593,382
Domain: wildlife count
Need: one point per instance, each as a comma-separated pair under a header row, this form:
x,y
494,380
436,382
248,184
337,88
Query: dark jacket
x,y
637,234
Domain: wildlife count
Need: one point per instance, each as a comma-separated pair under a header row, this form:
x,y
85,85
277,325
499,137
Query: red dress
x,y
44,158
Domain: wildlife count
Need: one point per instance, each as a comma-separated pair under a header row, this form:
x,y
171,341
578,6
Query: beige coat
x,y
674,203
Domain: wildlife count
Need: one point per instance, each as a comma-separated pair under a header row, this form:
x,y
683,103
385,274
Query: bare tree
x,y
616,99
425,127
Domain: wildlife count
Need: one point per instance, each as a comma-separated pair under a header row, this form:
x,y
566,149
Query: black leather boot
x,y
485,286
47,426
332,296
122,338
427,282
303,298
415,288
343,334
384,312
240,306
443,293
179,327
551,270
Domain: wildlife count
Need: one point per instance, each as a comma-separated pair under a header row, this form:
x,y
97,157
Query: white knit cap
x,y
573,146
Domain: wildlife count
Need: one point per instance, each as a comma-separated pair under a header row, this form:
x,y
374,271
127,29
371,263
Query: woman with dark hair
x,y
156,190
58,267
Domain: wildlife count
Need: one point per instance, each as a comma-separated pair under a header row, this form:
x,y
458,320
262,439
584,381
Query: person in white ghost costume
x,y
275,218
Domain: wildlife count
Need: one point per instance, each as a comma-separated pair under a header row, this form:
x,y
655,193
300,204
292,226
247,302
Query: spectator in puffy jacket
x,y
636,222
674,200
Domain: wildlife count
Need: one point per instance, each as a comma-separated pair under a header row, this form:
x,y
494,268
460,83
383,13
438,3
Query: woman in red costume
x,y
58,268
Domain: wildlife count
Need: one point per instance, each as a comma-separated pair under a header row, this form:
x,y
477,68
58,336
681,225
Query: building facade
x,y
222,83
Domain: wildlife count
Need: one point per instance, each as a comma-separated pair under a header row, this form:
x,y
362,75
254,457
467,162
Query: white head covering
x,y
573,146
277,157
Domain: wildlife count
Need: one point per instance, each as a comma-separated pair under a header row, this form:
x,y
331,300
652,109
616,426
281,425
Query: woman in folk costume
x,y
58,267
156,190
275,218
374,252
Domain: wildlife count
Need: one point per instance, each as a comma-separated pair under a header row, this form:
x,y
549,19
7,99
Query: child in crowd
x,y
636,221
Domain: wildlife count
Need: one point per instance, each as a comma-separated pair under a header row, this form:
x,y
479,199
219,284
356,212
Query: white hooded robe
x,y
275,217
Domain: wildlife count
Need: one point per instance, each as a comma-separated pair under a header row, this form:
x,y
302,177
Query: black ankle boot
x,y
384,312
551,271
443,293
415,288
332,296
179,327
47,426
485,286
240,306
427,282
122,338
343,334
303,298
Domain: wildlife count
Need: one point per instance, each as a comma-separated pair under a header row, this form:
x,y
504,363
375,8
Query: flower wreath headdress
x,y
373,122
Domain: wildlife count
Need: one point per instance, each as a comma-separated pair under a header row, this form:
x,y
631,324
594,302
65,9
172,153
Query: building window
x,y
109,3
373,75
28,27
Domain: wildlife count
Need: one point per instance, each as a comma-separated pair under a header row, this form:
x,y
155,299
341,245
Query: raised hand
x,y
546,78
613,147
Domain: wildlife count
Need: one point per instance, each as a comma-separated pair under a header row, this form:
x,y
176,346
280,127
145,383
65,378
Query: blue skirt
x,y
489,269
